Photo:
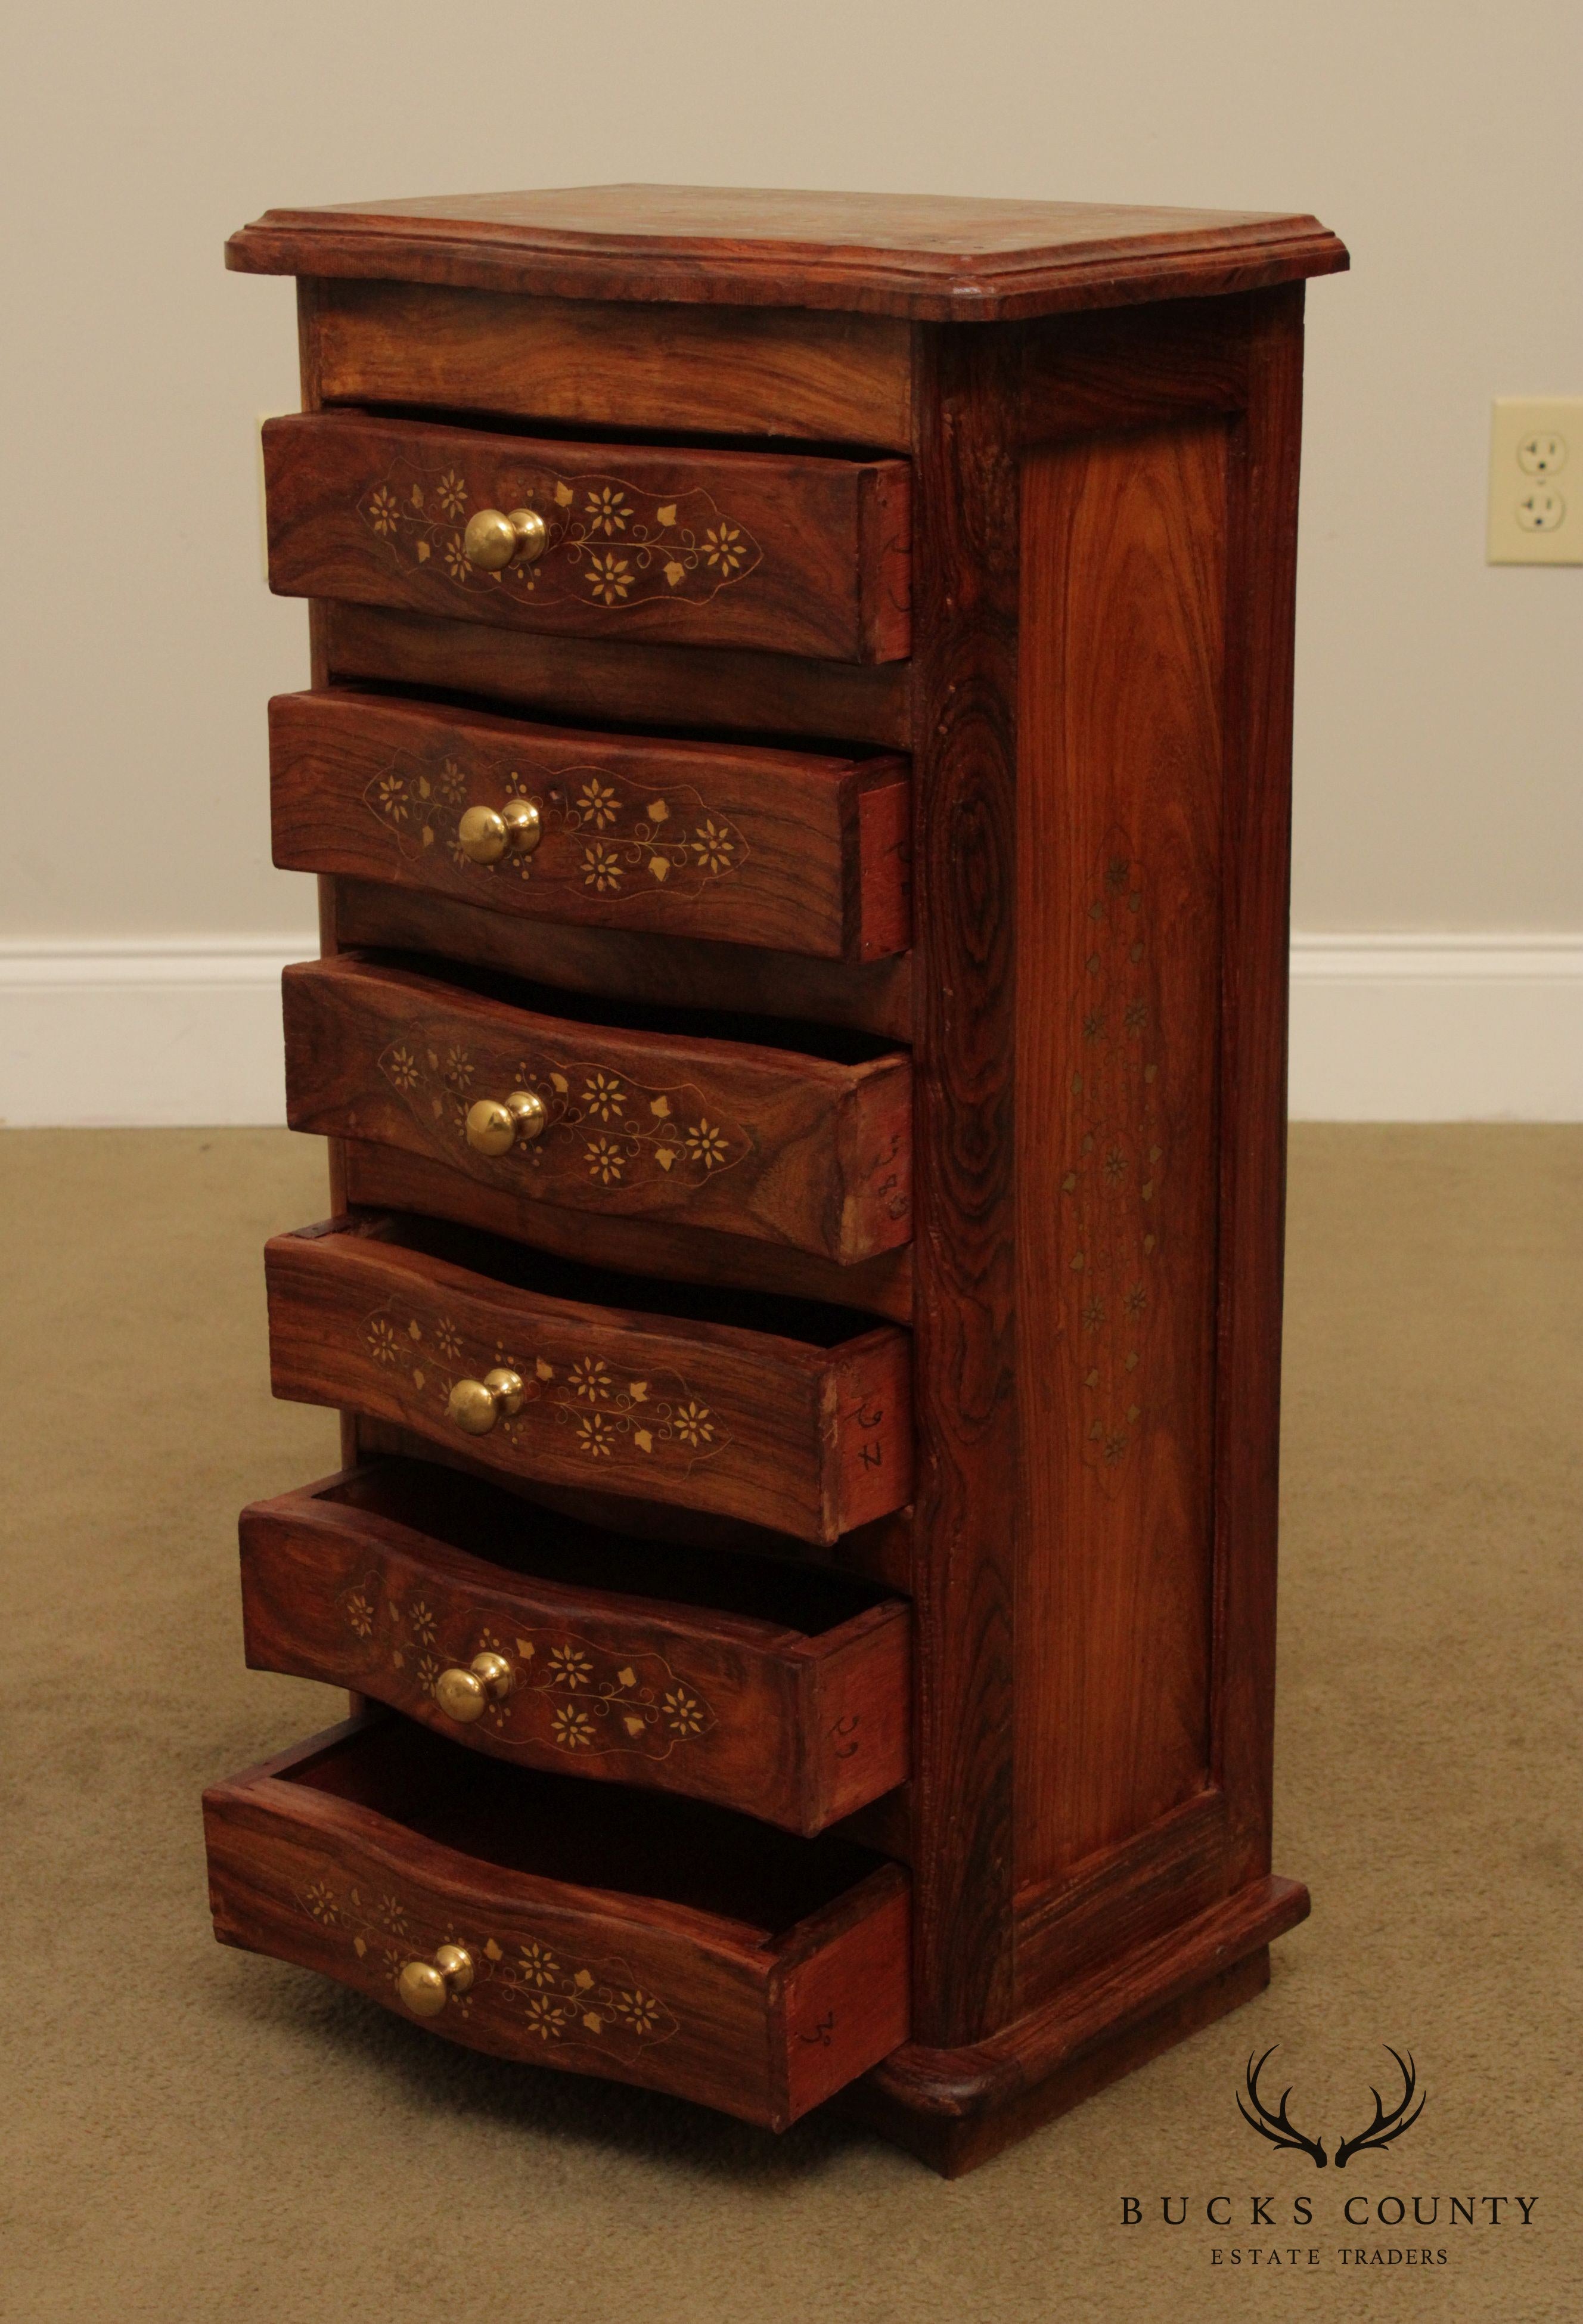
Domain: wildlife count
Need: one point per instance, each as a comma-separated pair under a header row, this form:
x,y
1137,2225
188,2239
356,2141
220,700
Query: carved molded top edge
x,y
929,259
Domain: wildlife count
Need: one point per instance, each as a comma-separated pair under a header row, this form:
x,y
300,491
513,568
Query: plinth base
x,y
955,2109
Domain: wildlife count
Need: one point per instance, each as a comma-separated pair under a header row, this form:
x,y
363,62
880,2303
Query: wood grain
x,y
1263,554
785,552
1097,714
702,690
757,1974
680,973
701,370
1121,766
666,1403
965,899
739,1137
731,845
933,258
782,1693
956,2108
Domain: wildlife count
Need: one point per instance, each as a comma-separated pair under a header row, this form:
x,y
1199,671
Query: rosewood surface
x,y
711,1133
805,1435
1050,1415
784,551
825,379
933,258
775,848
647,1939
783,1694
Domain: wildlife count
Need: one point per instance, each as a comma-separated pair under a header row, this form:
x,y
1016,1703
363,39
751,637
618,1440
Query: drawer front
x,y
745,1141
760,2022
795,1729
805,1440
776,848
757,371
786,551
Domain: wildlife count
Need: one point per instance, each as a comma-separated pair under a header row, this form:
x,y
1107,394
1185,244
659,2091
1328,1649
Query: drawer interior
x,y
523,1537
551,1277
840,1045
589,724
478,419
601,1836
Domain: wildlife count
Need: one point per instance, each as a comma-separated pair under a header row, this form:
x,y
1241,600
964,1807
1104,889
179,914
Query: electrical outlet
x,y
1536,480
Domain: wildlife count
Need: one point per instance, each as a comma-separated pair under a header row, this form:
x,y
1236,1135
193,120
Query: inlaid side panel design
x,y
1120,780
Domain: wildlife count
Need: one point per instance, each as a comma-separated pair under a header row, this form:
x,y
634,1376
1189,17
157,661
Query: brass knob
x,y
426,1987
466,1694
485,835
493,540
475,1406
494,1128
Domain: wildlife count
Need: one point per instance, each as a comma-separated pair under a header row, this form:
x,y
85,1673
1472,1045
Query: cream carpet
x,y
196,2132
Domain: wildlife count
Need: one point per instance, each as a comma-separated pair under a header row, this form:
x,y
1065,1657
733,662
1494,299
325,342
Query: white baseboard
x,y
187,1032
174,1033
1437,1029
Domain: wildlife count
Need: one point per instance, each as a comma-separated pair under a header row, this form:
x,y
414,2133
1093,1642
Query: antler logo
x,y
1280,2131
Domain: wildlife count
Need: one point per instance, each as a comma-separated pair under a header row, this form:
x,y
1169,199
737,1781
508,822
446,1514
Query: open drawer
x,y
682,544
595,1106
640,1938
779,1690
782,1411
797,850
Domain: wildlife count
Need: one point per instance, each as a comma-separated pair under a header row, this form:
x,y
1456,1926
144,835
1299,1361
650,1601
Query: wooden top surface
x,y
929,257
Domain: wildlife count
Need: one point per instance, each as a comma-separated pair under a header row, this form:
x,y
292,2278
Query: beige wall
x,y
1440,703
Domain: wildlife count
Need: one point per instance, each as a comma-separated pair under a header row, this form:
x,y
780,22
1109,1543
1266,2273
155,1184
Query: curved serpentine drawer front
x,y
788,552
626,1122
541,1369
647,1939
781,1691
795,852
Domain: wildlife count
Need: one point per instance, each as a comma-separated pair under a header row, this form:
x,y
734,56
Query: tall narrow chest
x,y
797,769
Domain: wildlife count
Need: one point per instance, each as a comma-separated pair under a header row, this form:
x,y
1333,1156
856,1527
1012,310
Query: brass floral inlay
x,y
535,1984
583,1406
567,1691
1117,1160
602,836
601,1128
609,544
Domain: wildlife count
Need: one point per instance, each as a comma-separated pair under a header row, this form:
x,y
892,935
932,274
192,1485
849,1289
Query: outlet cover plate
x,y
1536,480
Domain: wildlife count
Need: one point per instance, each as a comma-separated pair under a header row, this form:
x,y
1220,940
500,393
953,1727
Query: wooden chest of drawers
x,y
796,767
